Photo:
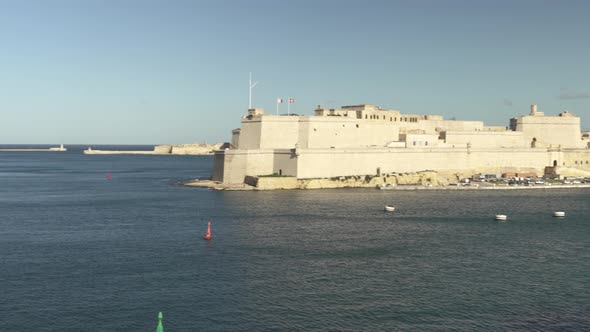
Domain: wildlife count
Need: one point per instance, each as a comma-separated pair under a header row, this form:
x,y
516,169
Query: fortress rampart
x,y
367,140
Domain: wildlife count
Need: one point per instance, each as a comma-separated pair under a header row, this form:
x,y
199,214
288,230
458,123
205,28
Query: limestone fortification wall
x,y
194,149
271,183
416,141
366,181
285,163
577,159
328,132
487,139
280,132
219,167
381,141
163,149
232,166
346,162
550,130
567,171
250,134
371,181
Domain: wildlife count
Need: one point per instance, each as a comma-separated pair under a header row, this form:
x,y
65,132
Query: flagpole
x,y
277,105
250,86
289,106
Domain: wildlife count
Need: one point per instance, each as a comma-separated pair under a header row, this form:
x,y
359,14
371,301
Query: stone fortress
x,y
368,140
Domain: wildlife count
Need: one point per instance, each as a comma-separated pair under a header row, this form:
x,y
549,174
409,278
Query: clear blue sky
x,y
172,71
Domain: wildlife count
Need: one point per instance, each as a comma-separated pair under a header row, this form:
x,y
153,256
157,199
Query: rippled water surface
x,y
83,253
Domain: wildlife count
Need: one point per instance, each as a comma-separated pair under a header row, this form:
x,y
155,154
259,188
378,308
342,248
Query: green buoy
x,y
160,326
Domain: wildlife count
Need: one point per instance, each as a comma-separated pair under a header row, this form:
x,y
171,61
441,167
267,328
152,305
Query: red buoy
x,y
208,235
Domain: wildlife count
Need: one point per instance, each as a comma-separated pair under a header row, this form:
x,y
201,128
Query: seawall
x,y
176,149
424,178
430,180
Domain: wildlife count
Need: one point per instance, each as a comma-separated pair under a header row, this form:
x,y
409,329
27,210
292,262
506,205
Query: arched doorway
x,y
555,163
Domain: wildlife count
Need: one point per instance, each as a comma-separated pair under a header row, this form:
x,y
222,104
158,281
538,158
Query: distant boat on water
x,y
501,217
389,208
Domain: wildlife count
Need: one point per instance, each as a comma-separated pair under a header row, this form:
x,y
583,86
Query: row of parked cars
x,y
523,181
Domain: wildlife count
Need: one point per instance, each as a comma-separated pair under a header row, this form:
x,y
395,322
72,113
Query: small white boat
x,y
389,208
501,217
559,214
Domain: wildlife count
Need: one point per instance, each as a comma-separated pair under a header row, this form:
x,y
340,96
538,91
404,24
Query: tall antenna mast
x,y
250,86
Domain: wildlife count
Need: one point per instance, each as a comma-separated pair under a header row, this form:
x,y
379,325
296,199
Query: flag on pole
x,y
279,101
291,101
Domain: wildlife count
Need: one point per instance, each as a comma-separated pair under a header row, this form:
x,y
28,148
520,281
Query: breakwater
x,y
170,149
54,149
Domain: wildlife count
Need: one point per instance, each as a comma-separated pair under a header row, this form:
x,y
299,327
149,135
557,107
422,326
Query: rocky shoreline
x,y
499,187
292,183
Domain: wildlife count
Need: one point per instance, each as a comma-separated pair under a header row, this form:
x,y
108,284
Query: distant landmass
x,y
168,149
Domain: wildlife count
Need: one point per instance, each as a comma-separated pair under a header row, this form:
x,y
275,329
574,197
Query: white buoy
x,y
559,214
501,217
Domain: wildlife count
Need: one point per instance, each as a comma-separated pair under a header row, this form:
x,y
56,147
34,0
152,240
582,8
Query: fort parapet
x,y
368,140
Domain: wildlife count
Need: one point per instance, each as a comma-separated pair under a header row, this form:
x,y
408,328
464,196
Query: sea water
x,y
80,252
